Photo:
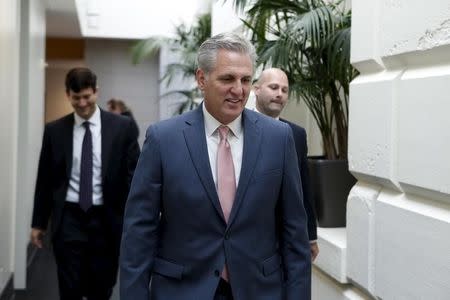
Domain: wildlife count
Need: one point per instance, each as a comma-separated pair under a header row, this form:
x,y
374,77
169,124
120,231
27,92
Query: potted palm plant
x,y
184,45
310,40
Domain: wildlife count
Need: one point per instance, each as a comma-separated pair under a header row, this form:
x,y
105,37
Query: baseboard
x,y
7,292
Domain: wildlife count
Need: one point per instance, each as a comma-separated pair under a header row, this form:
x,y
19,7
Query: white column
x,y
9,97
399,212
30,126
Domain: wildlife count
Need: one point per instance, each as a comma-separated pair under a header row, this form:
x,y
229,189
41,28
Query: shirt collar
x,y
211,124
93,120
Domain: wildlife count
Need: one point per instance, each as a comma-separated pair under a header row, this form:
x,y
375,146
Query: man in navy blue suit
x,y
215,210
271,92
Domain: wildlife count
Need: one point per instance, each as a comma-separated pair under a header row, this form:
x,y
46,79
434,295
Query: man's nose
x,y
82,103
237,88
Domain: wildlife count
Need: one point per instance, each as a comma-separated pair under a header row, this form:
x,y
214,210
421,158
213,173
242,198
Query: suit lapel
x,y
250,153
106,142
195,138
67,136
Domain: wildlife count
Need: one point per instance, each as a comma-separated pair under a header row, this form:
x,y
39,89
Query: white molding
x,y
333,252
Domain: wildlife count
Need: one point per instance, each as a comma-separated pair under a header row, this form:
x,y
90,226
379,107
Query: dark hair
x,y
117,103
78,79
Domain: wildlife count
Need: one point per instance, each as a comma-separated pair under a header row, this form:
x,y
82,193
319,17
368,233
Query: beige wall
x,y
137,85
56,103
297,112
61,54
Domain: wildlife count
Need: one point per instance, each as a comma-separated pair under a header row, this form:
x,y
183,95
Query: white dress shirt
x,y
235,139
95,126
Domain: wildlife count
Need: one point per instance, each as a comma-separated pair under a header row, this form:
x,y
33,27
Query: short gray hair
x,y
207,53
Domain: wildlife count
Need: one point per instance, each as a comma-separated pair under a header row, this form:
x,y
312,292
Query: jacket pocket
x,y
271,264
167,268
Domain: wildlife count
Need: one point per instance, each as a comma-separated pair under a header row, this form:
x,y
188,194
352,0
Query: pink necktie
x,y
226,182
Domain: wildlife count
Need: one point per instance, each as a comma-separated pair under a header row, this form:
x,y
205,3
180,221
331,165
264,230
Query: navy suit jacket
x,y
175,234
301,146
120,152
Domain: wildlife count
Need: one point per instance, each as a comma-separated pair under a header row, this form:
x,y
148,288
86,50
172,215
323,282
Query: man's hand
x,y
314,250
37,236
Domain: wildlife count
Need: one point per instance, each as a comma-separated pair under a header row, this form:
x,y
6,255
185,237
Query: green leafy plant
x,y
310,41
185,44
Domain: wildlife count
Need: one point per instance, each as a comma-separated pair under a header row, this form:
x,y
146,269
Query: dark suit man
x,y
118,107
85,169
215,208
272,91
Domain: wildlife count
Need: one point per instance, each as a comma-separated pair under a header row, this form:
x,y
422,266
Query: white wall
x,y
169,104
224,17
9,95
399,212
137,85
30,126
134,19
22,30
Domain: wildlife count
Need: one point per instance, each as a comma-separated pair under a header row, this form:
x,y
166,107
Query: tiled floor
x,y
41,279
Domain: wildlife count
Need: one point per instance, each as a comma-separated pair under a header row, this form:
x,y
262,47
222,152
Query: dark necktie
x,y
86,170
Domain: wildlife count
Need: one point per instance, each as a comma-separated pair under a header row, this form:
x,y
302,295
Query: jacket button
x,y
227,236
216,273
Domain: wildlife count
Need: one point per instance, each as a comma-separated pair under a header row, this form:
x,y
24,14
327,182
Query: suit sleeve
x,y
43,191
302,153
141,222
295,249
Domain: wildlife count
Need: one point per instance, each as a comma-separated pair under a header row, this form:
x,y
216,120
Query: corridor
x,y
42,281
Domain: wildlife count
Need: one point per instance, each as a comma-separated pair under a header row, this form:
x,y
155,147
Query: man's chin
x,y
275,111
83,115
276,108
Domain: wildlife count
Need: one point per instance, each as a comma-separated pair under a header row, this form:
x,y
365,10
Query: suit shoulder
x,y
262,119
174,122
293,125
111,117
297,130
58,123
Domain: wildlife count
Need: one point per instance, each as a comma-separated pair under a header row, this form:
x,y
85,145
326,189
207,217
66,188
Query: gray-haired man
x,y
214,211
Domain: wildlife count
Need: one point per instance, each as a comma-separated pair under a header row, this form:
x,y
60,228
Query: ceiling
x,y
131,19
62,19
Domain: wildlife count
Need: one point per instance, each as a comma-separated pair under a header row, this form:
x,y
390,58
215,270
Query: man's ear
x,y
200,76
255,88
